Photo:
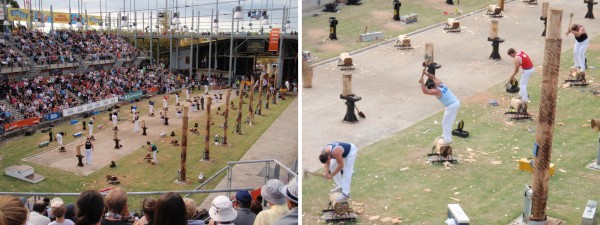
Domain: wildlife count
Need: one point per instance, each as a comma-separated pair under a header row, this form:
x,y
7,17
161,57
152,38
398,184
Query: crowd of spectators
x,y
91,208
9,57
62,46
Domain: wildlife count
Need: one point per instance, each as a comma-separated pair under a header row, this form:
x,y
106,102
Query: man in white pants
x,y
59,138
523,61
151,107
581,44
177,98
91,126
154,150
114,120
88,151
443,93
165,103
341,168
187,94
136,123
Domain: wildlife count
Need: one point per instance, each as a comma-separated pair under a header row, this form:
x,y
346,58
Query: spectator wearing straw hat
x,y
290,191
245,216
222,211
275,200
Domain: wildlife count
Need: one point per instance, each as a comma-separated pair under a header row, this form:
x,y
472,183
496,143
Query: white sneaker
x,y
342,198
337,189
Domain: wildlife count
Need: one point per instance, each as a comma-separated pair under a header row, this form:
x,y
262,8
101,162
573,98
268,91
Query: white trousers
x,y
88,156
579,53
165,103
523,84
187,95
176,99
205,88
151,109
59,139
91,126
136,126
448,120
344,180
154,156
114,121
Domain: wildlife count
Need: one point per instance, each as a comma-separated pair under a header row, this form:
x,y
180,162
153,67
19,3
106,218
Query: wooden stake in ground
x,y
184,134
275,88
207,136
250,111
260,90
238,122
541,172
268,93
225,124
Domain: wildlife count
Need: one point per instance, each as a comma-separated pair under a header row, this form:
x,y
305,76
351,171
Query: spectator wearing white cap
x,y
245,216
222,211
275,200
58,211
290,191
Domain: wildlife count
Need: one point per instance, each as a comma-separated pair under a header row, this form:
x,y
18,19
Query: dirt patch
x,y
330,46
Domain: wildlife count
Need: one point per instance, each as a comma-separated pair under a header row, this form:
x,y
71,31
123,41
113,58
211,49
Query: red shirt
x,y
525,60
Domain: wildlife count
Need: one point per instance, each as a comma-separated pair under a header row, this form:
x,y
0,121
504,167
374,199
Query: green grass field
x,y
375,15
136,175
490,193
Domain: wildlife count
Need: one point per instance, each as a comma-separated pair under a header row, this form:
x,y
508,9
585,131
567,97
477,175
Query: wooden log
x,y
184,135
545,7
547,111
428,53
275,80
260,90
346,59
238,122
307,74
347,84
494,29
250,111
207,136
501,5
143,123
226,124
115,136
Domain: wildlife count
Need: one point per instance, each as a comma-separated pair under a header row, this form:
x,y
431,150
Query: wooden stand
x,y
226,124
590,7
495,40
144,127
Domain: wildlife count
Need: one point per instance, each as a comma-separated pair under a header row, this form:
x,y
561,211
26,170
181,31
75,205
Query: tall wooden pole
x,y
541,172
184,134
267,93
225,124
207,136
275,88
238,122
260,90
250,111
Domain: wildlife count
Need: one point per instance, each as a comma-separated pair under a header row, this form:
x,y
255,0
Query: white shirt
x,y
36,218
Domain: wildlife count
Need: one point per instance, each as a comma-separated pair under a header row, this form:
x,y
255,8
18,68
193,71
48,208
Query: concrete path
x,y
386,78
279,141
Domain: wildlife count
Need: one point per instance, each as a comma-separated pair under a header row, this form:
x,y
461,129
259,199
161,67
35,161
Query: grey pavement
x,y
279,141
386,78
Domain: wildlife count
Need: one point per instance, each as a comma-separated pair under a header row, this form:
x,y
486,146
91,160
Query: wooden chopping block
x,y
346,59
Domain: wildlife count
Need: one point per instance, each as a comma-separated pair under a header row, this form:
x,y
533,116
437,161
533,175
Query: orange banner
x,y
274,40
21,123
152,90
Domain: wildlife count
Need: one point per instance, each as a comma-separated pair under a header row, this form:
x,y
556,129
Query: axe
x,y
570,20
